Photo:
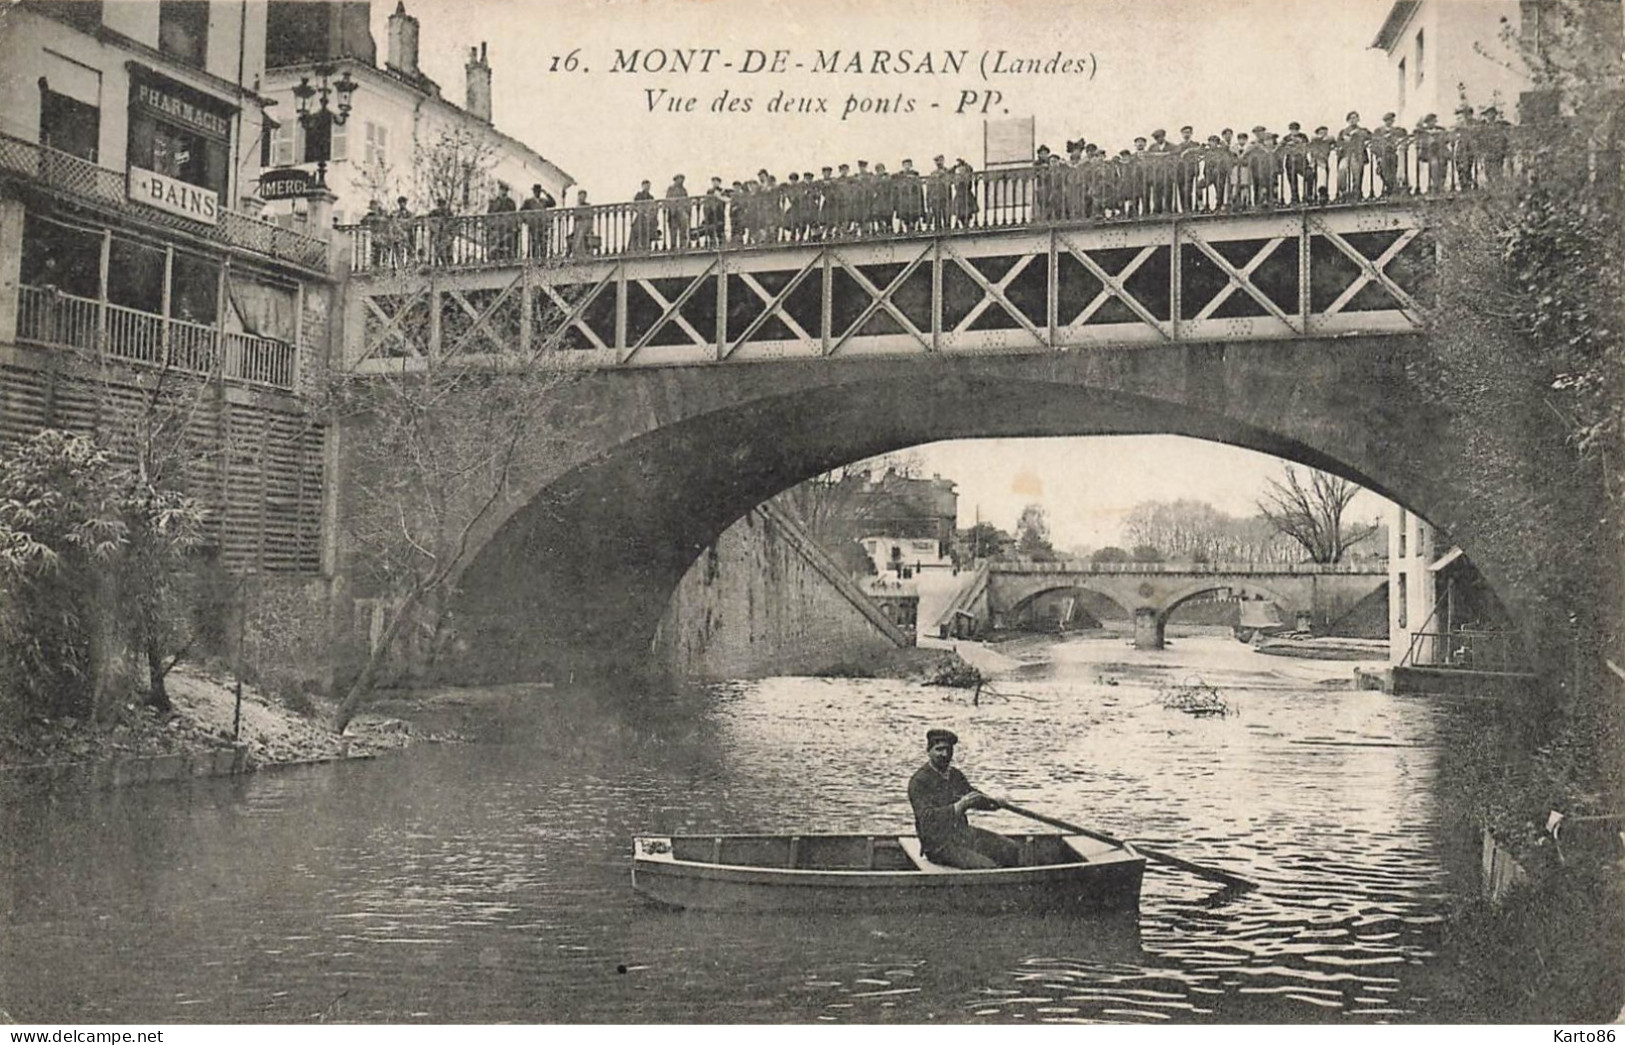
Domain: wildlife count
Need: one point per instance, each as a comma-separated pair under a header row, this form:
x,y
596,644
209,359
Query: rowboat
x,y
813,872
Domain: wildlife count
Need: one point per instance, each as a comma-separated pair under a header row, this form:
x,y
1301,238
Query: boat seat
x,y
911,847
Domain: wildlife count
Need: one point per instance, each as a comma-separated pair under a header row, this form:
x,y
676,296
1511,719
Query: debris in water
x,y
1194,697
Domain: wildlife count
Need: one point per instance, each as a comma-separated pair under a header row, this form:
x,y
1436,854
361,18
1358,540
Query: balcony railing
x,y
53,319
73,176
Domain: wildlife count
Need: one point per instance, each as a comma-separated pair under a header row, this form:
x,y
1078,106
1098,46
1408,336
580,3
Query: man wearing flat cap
x,y
941,796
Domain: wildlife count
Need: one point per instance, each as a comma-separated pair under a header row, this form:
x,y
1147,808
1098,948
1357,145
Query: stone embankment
x,y
197,739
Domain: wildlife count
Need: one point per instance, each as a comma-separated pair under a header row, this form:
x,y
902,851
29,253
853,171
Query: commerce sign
x,y
175,196
286,183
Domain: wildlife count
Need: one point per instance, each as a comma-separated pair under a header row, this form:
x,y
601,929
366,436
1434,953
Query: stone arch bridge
x,y
1149,592
716,377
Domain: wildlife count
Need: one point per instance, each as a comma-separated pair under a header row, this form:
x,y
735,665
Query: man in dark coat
x,y
941,796
1318,185
502,231
677,214
939,193
1352,142
641,234
1188,169
1295,165
536,218
1464,143
1387,142
1432,153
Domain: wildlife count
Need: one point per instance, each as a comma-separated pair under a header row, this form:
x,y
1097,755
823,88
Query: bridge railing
x,y
855,209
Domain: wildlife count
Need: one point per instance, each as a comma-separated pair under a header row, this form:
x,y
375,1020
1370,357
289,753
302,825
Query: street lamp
x,y
320,121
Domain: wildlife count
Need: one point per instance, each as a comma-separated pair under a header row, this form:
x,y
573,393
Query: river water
x,y
489,881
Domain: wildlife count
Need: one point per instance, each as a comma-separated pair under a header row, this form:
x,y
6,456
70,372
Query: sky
x,y
1150,64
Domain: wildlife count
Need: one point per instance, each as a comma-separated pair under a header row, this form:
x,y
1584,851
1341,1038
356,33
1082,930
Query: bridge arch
x,y
1184,595
584,563
1098,591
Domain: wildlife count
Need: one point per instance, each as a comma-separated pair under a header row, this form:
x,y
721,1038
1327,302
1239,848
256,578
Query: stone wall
x,y
765,600
285,632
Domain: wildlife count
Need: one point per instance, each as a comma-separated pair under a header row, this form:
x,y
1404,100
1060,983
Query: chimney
x,y
479,84
403,42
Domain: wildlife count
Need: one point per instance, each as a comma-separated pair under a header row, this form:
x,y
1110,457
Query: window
x,y
376,156
135,276
69,125
1402,85
286,144
183,30
324,141
194,292
62,256
1404,526
1420,57
1399,601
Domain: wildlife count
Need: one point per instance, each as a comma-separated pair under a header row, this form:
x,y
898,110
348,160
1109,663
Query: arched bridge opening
x,y
580,572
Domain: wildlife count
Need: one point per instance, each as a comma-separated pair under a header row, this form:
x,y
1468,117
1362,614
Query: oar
x,y
1211,873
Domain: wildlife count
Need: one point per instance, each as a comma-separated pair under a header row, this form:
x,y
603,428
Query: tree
x,y
1109,554
836,506
454,167
58,533
985,541
1147,553
1032,534
155,436
94,559
1312,514
1196,531
435,450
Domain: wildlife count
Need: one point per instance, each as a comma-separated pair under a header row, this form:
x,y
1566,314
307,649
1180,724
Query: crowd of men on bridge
x,y
1227,172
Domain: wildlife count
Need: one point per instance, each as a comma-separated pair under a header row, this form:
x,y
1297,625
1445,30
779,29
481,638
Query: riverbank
x,y
205,734
928,660
1323,647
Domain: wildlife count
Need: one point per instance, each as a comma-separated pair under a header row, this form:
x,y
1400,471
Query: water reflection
x,y
489,882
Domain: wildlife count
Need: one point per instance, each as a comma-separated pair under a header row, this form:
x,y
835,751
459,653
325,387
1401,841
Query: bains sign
x,y
175,196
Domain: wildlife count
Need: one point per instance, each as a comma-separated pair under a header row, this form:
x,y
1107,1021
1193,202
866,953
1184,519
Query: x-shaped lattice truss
x,y
401,320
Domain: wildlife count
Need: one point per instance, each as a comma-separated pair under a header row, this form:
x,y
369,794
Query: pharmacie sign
x,y
177,197
175,105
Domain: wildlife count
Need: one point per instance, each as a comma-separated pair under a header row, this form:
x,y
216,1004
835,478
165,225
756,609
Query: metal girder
x,y
1241,279
482,319
1114,286
993,293
672,311
879,299
1111,255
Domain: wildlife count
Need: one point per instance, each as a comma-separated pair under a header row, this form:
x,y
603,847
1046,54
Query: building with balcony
x,y
130,247
402,137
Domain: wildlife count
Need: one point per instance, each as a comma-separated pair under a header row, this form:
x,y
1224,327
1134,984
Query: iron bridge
x,y
1355,270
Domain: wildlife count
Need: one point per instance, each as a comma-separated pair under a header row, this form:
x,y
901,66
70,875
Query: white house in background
x,y
891,555
1441,51
399,116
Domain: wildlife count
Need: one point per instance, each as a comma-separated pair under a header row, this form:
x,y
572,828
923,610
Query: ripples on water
x,y
489,882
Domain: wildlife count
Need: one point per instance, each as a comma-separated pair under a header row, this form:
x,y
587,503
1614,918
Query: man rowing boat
x,y
941,796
